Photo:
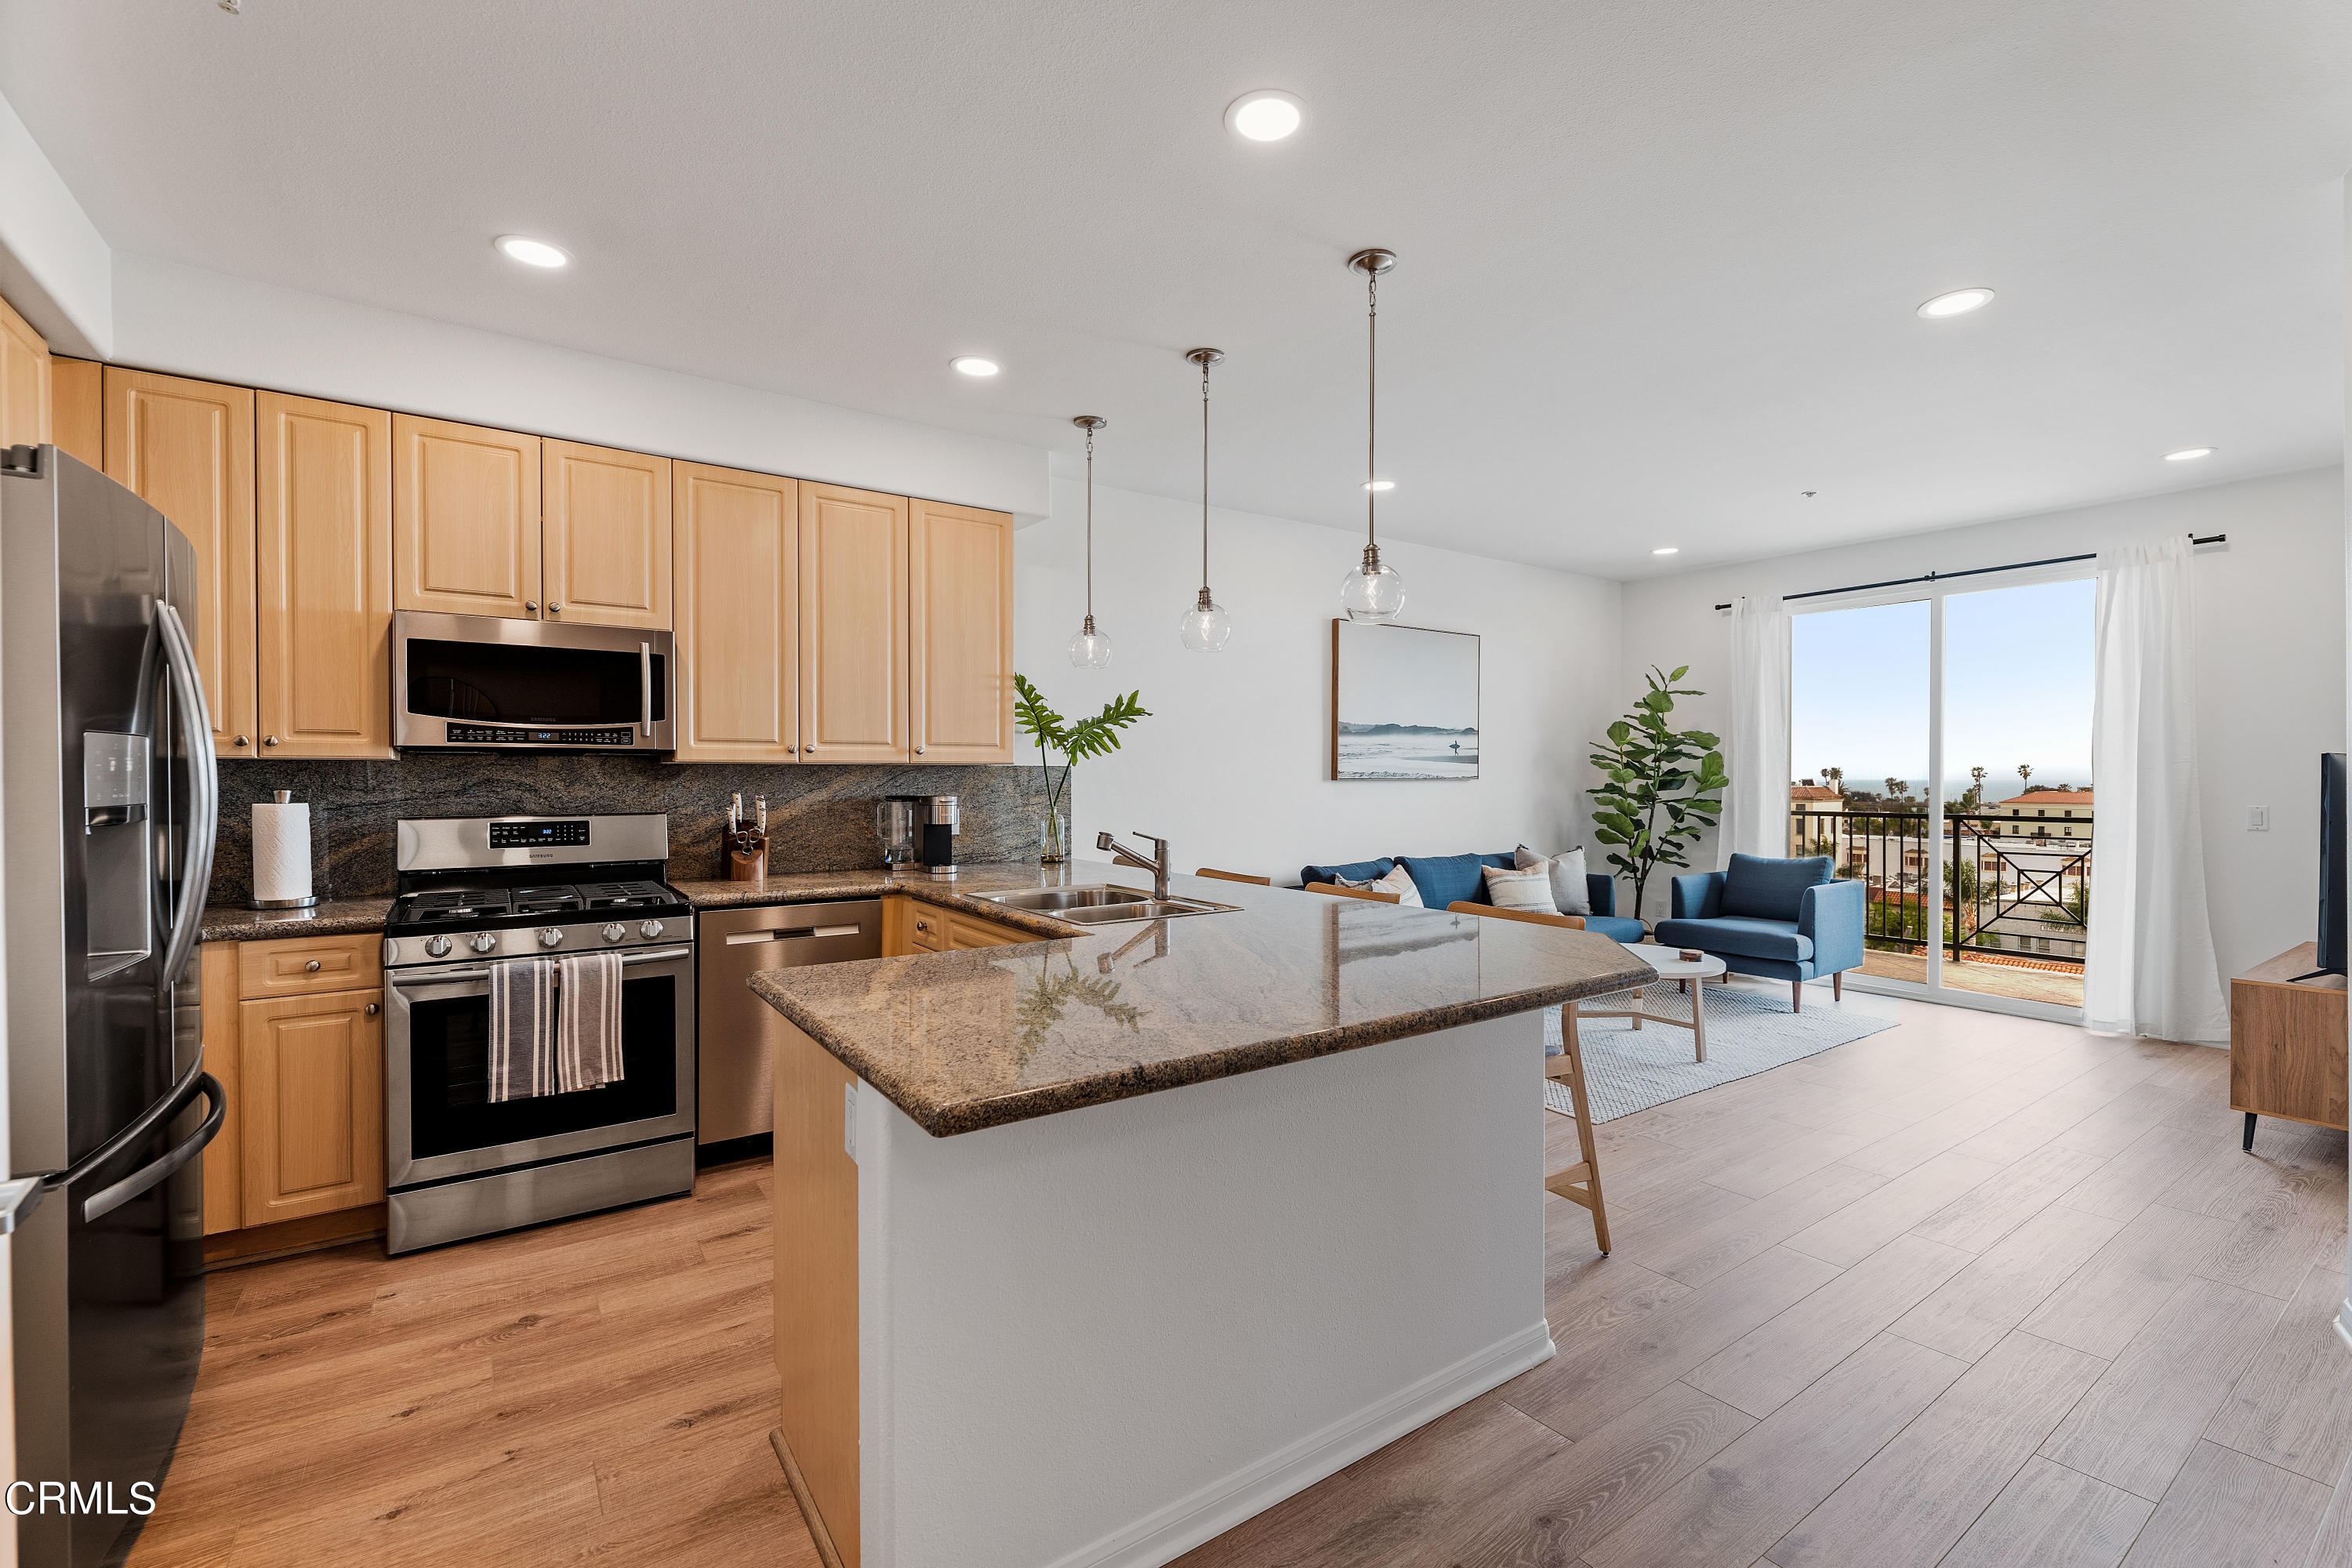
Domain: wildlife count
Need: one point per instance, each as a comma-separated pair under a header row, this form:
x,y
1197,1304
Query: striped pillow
x,y
1514,890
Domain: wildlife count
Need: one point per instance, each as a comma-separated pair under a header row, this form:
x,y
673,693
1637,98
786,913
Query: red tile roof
x,y
2049,797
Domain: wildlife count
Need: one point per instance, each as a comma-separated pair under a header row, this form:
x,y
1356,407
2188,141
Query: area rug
x,y
1747,1030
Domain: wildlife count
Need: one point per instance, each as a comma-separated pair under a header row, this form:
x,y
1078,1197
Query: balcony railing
x,y
2015,889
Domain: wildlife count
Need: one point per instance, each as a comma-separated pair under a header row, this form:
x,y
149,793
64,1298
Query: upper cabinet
x,y
960,620
852,626
465,518
186,448
738,590
24,382
606,544
490,522
323,554
77,408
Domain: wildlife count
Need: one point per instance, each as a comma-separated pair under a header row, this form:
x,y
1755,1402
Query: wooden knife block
x,y
747,856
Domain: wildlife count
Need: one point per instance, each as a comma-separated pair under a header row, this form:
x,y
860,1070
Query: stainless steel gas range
x,y
480,892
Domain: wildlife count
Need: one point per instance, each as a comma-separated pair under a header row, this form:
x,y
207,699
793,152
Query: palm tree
x,y
1896,789
2025,773
1835,778
1976,795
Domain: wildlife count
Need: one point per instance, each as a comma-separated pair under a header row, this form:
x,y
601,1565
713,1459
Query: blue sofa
x,y
1783,920
1445,879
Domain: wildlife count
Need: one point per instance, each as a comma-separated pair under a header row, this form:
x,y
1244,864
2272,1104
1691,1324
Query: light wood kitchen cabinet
x,y
853,632
313,1071
224,1176
966,931
960,620
737,609
606,546
24,382
466,519
186,448
323,557
77,408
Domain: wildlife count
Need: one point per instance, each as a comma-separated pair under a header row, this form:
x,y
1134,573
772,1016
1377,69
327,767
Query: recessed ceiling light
x,y
531,252
1265,115
1667,550
2189,454
1380,484
1959,302
972,364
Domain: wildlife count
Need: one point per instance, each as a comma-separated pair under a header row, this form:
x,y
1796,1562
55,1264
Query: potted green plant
x,y
1664,785
1096,736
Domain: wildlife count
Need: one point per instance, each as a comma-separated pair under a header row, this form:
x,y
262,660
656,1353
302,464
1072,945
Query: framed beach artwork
x,y
1405,702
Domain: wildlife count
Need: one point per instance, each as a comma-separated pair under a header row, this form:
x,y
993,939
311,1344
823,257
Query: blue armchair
x,y
1783,920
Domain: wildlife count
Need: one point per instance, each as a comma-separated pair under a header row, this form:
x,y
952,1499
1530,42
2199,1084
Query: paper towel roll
x,y
281,852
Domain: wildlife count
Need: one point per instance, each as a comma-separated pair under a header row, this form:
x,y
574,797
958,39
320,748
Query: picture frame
x,y
1405,703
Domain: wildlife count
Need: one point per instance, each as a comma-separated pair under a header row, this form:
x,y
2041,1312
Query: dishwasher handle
x,y
789,933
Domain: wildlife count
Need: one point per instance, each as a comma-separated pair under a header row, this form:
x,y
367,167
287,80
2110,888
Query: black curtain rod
x,y
1972,571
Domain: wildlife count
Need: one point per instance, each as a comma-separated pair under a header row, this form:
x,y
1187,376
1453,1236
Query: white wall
x,y
189,322
55,267
2269,656
1233,767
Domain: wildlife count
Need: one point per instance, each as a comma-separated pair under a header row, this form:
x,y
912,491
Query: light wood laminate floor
x,y
1974,1291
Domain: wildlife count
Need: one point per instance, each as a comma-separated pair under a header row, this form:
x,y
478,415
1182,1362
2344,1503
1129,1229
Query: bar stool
x,y
1365,894
1580,1183
1235,876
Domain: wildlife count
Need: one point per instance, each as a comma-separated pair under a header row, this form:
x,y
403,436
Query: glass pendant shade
x,y
1090,650
1205,626
1374,591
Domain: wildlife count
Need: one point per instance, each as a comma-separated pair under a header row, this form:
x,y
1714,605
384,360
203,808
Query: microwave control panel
x,y
622,735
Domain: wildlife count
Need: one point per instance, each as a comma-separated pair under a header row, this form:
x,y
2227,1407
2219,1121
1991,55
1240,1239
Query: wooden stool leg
x,y
1837,986
1698,1021
1579,1184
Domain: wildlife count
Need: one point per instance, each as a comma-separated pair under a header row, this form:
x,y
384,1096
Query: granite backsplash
x,y
820,819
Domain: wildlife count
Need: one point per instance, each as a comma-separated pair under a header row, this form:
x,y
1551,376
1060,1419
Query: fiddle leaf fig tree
x,y
1664,785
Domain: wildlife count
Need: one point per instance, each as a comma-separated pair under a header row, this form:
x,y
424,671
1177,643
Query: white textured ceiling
x,y
1658,260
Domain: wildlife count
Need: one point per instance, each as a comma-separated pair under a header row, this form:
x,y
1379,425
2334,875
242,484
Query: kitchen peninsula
x,y
1089,1246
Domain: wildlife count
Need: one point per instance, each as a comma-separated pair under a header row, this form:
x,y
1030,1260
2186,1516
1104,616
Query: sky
x,y
2017,668
1403,675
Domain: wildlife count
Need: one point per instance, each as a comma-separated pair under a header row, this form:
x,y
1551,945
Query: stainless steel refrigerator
x,y
108,802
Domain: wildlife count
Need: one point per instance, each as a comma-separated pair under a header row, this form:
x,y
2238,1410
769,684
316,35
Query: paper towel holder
x,y
283,797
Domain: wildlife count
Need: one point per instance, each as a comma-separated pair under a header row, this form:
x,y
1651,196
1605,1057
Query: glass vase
x,y
1054,836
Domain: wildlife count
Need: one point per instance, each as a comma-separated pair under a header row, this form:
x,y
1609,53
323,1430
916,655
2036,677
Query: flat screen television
x,y
2333,851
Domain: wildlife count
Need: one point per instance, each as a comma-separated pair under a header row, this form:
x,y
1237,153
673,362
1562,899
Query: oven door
x,y
439,1120
487,683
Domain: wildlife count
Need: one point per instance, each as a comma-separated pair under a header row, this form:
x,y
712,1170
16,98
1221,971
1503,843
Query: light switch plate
x,y
2258,819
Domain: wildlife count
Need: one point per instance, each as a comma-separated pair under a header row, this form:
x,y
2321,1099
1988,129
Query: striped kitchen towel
x,y
523,1029
588,1030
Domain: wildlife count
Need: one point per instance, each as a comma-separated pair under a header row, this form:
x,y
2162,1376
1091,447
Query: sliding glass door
x,y
1942,745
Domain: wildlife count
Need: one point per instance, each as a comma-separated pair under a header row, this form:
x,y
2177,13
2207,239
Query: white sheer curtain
x,y
1756,807
2149,965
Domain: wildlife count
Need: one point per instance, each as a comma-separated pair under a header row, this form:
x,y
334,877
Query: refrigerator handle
x,y
108,1199
204,773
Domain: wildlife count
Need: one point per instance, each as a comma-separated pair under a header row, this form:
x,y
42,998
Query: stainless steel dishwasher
x,y
739,1031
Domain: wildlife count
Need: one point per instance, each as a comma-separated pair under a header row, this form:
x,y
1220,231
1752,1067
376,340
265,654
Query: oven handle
x,y
646,686
443,976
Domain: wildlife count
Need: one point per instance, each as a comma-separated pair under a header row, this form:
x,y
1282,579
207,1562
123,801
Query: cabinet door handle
x,y
311,967
919,751
269,740
242,741
554,609
922,925
373,1009
530,605
812,745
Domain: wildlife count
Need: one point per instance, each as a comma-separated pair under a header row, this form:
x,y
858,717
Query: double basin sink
x,y
1101,906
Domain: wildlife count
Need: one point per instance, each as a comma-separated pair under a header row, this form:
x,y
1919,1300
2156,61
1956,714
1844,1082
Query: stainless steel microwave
x,y
487,683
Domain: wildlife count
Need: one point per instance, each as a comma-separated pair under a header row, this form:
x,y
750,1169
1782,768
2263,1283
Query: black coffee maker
x,y
936,823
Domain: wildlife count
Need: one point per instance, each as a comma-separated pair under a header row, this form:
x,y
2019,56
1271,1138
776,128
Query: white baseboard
x,y
1170,1532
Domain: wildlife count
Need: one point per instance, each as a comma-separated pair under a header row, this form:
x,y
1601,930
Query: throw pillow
x,y
1397,881
1519,890
1568,890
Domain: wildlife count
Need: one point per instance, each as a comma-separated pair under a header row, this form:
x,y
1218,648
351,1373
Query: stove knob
x,y
615,932
650,929
436,947
482,942
550,937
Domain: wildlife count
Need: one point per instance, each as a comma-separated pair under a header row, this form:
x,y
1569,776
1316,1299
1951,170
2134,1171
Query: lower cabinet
x,y
911,926
304,1134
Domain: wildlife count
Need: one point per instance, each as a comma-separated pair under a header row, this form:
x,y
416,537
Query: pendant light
x,y
1373,591
1090,650
1205,625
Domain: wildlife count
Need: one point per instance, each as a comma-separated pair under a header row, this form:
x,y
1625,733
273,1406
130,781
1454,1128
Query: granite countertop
x,y
967,1040
328,917
815,887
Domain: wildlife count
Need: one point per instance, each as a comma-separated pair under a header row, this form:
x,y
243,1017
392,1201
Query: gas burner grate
x,y
545,900
624,895
453,904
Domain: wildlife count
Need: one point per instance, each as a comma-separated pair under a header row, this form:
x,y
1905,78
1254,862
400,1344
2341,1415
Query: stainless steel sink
x,y
1102,906
1056,900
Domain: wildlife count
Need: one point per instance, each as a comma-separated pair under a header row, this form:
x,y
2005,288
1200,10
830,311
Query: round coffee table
x,y
1670,966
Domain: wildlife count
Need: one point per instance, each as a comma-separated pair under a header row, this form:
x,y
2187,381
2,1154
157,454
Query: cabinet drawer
x,y
926,930
301,966
963,931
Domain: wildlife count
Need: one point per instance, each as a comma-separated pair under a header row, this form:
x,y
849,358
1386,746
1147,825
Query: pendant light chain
x,y
1090,529
1372,406
1204,625
1374,591
1090,650
1205,478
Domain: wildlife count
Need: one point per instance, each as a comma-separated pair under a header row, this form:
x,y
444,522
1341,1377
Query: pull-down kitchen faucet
x,y
1121,855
